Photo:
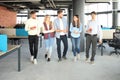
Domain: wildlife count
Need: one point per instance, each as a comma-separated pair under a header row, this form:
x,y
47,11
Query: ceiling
x,y
35,4
18,5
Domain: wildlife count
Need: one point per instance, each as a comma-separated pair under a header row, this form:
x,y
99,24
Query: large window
x,y
104,16
22,17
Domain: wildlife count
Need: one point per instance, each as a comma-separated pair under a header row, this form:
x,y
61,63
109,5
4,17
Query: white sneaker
x,y
75,59
78,56
92,62
31,59
35,61
87,60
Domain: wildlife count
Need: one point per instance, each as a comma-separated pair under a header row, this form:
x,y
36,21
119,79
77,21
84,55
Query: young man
x,y
61,29
33,28
93,30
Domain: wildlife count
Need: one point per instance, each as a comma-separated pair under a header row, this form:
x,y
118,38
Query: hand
x,y
52,30
65,31
38,35
32,28
89,30
100,41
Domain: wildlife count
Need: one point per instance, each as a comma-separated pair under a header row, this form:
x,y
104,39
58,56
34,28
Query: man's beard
x,y
61,16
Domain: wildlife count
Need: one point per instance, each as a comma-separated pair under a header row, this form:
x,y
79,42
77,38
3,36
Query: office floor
x,y
105,68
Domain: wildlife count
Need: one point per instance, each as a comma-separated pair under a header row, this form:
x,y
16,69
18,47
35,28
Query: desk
x,y
13,37
11,49
107,35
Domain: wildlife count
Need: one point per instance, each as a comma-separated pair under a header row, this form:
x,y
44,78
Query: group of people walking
x,y
59,29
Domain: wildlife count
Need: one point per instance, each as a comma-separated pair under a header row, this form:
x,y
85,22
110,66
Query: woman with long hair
x,y
48,30
76,29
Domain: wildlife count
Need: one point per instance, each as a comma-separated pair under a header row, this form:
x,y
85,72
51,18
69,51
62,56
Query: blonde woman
x,y
48,30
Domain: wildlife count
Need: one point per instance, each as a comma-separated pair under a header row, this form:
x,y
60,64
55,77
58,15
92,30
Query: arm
x,y
26,26
87,26
71,28
100,34
66,25
38,28
80,29
48,31
55,26
88,29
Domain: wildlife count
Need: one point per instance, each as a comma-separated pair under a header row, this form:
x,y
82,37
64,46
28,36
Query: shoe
x,y
59,60
45,55
75,59
92,62
35,61
86,60
64,57
32,58
78,56
48,60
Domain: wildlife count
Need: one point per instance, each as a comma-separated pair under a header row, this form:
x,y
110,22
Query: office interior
x,y
14,46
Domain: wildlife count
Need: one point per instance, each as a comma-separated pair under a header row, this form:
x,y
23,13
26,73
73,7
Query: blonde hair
x,y
45,19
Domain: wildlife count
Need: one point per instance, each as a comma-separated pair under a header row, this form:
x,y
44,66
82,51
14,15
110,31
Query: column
x,y
78,8
115,15
28,14
70,14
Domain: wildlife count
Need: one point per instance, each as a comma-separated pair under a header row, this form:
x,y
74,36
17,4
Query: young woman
x,y
76,29
48,30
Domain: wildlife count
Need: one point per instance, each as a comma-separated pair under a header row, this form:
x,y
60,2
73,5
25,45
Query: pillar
x,y
70,14
115,14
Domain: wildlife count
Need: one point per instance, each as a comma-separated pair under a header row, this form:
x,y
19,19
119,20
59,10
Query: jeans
x,y
49,44
65,43
33,45
75,45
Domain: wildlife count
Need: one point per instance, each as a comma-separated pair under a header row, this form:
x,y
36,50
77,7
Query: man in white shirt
x,y
33,28
93,30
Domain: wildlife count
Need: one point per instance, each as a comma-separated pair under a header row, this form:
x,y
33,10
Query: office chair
x,y
115,43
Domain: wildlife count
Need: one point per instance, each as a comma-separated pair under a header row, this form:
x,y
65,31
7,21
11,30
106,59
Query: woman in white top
x,y
49,34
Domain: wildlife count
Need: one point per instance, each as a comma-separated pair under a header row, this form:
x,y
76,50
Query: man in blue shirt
x,y
61,29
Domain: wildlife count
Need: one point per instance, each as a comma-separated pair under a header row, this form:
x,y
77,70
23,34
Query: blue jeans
x,y
75,45
62,38
49,44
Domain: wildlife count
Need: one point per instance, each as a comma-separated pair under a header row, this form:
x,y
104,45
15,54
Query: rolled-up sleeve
x,y
71,26
26,26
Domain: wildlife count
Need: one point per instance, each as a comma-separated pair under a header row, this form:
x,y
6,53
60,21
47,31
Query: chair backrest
x,y
116,37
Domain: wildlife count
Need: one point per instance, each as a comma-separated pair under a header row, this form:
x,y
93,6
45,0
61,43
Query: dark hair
x,y
59,11
93,12
78,22
32,12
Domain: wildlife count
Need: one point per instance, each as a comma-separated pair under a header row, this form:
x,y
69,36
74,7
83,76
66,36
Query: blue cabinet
x,y
3,43
21,32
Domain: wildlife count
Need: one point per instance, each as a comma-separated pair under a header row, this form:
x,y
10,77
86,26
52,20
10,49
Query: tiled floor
x,y
105,68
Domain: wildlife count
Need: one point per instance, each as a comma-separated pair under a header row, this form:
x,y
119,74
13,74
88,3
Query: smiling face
x,y
60,15
47,18
33,16
75,18
93,16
